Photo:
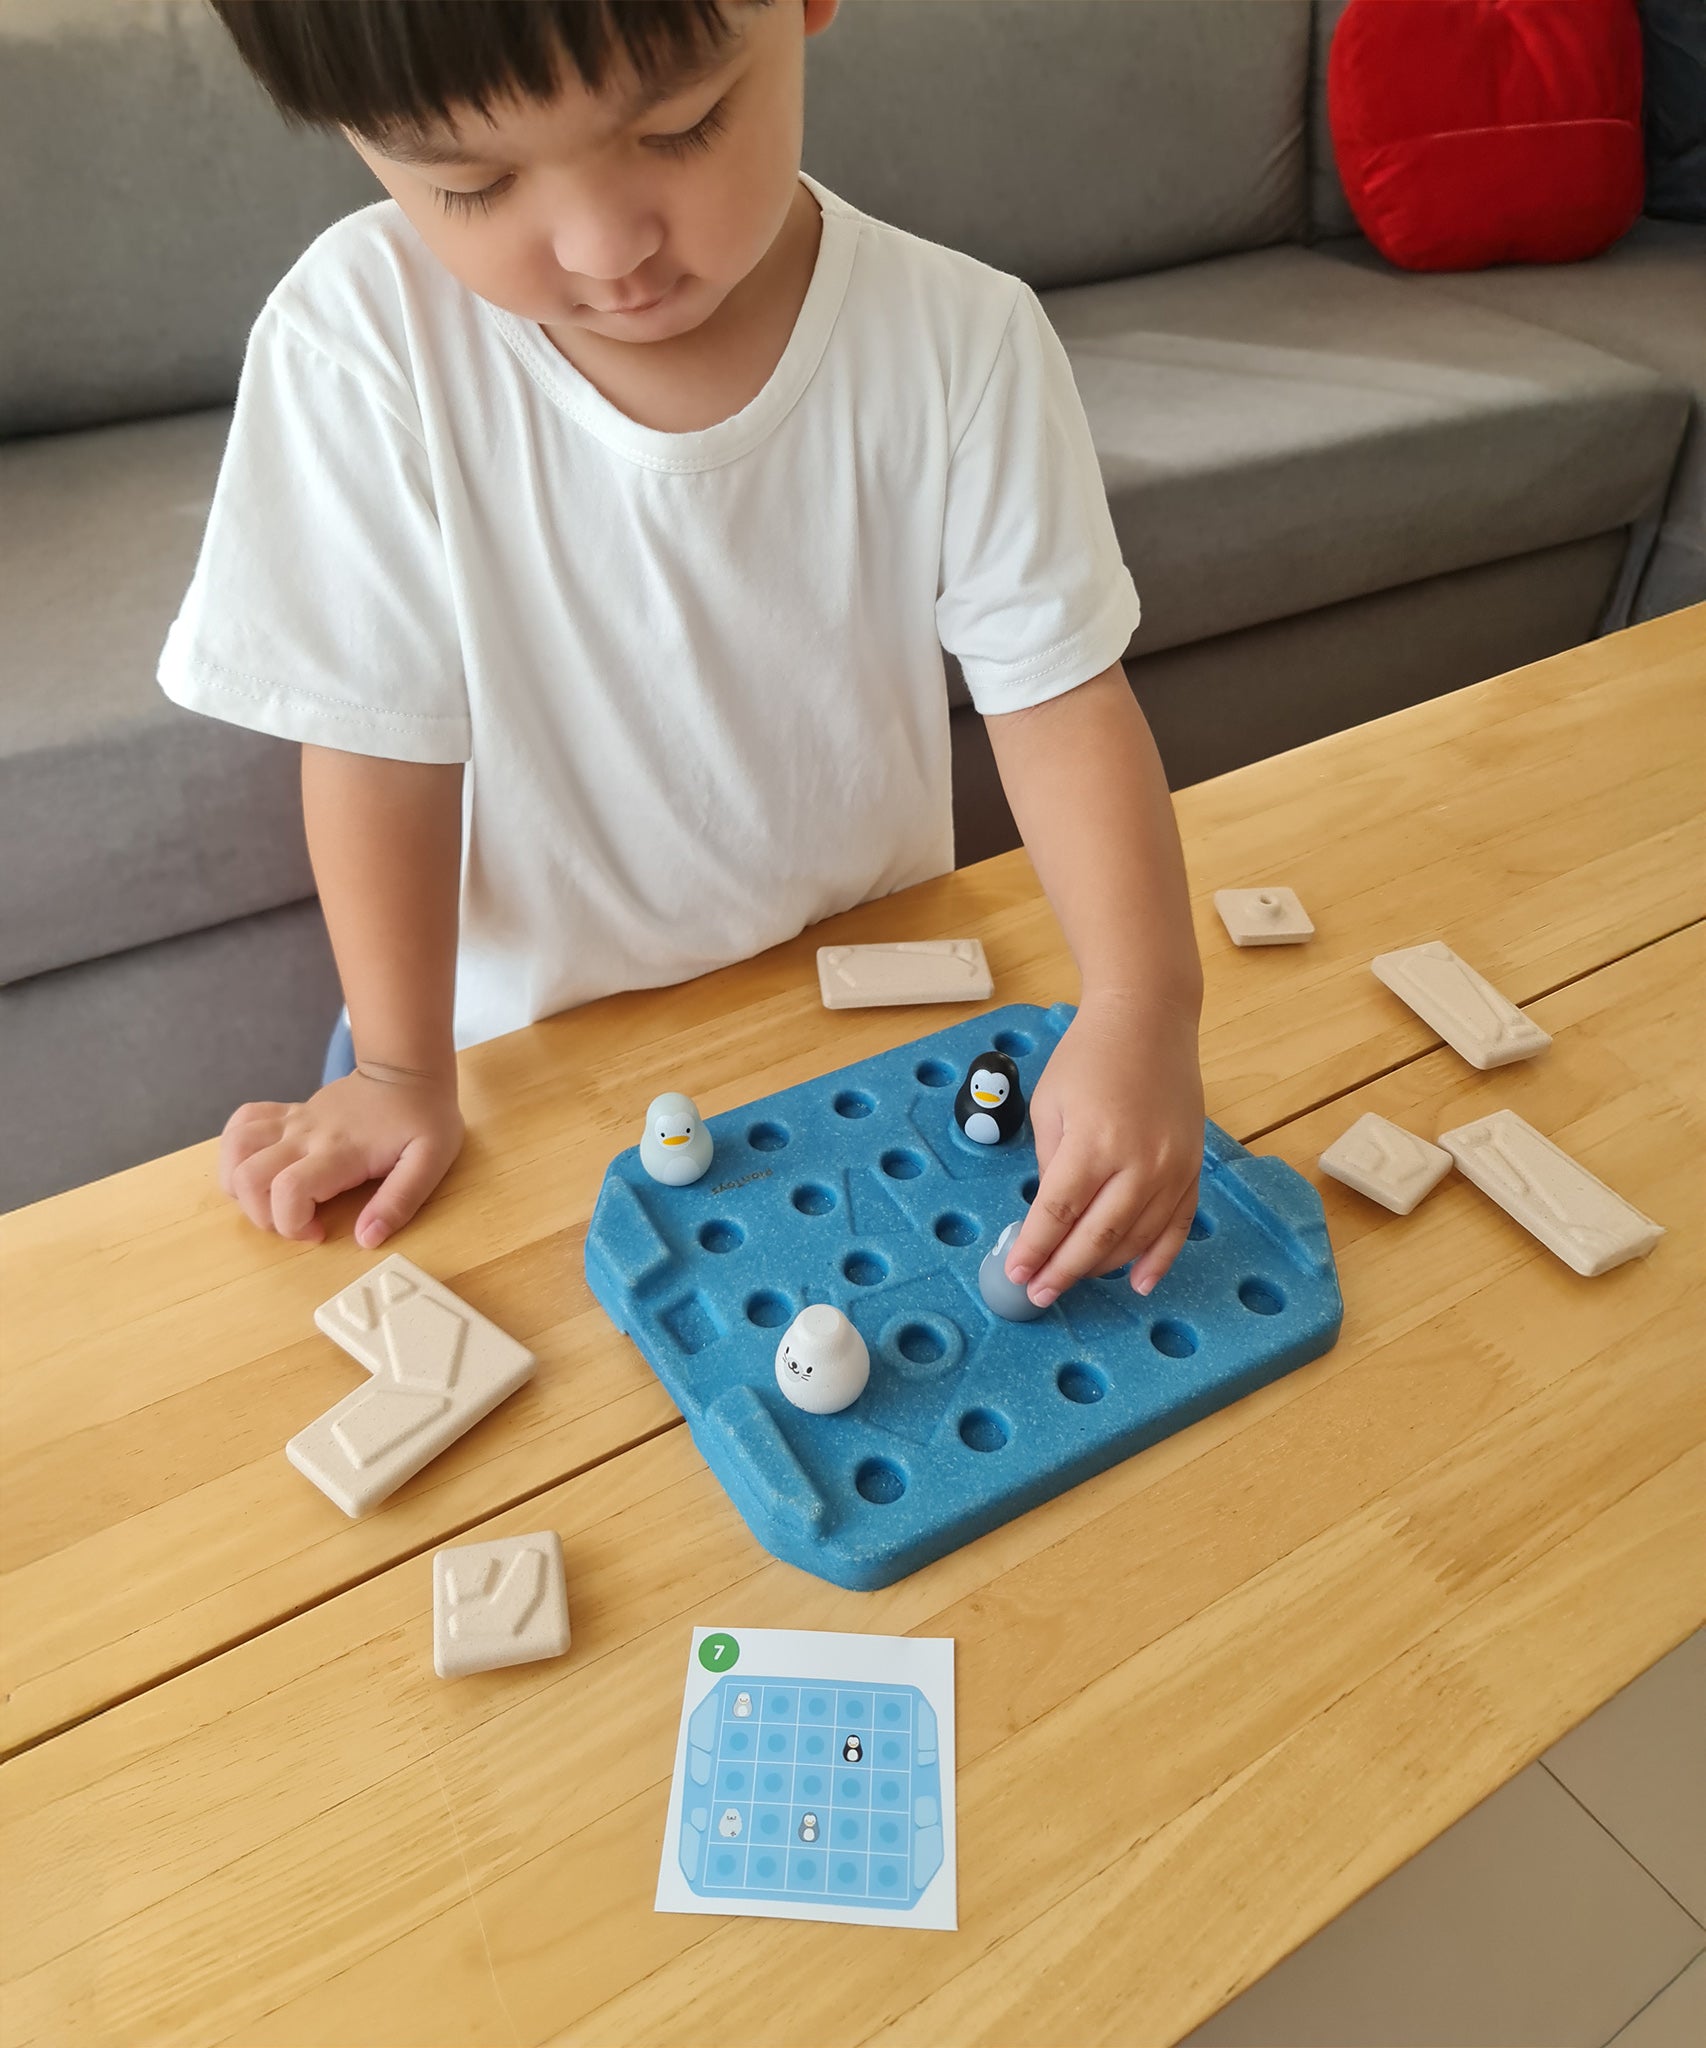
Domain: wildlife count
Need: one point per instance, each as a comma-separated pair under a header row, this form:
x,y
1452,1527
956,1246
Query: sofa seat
x,y
1644,301
1280,431
123,820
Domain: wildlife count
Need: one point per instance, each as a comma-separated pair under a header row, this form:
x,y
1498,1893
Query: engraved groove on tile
x,y
910,971
437,1367
1461,1005
1571,1211
1389,1164
498,1603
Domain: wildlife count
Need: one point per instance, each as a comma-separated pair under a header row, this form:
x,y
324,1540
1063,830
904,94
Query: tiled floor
x,y
1567,1911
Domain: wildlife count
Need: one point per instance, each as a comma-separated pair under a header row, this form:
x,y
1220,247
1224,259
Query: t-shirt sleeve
x,y
1034,596
320,608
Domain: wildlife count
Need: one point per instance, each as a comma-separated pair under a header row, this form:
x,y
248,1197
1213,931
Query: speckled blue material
x,y
857,1189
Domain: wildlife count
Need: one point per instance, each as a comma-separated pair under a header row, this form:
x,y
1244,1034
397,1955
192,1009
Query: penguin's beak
x,y
679,1139
977,1095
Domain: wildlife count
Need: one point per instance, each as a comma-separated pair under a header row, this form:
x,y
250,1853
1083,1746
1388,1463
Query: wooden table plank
x,y
158,1352
1315,1628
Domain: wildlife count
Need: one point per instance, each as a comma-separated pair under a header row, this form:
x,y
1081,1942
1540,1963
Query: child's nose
x,y
603,247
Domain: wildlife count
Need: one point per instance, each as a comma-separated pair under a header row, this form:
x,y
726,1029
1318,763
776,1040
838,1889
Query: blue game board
x,y
859,1189
777,1804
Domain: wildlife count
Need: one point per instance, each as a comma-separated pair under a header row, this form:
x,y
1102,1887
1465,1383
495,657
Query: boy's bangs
x,y
389,68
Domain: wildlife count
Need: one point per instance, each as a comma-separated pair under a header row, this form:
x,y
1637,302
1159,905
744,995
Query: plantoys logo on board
x,y
723,1187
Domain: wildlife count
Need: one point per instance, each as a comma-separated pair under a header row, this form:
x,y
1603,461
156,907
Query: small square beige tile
x,y
1639,1767
1676,2018
1523,1924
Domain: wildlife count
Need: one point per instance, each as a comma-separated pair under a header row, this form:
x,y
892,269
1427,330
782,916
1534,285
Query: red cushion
x,y
1471,132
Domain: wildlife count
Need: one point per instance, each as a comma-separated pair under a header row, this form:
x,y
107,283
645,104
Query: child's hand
x,y
1118,1122
280,1160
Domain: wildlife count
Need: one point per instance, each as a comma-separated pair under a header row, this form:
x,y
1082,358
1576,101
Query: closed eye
x,y
699,137
474,202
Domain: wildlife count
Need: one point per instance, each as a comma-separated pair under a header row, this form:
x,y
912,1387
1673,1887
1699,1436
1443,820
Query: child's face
x,y
600,214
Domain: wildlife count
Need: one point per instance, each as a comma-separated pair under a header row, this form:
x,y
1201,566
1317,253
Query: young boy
x,y
594,514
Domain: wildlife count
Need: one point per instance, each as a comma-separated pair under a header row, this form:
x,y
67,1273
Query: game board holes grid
x,y
1081,1383
865,1268
813,1199
1028,1189
767,1137
1202,1225
1013,1043
955,1228
981,1429
853,1102
768,1309
1173,1339
934,1074
1261,1297
880,1481
901,1164
720,1236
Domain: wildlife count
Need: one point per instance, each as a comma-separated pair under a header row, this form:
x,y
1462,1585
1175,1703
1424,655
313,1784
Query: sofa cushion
x,y
1280,430
1644,300
122,819
153,200
1066,140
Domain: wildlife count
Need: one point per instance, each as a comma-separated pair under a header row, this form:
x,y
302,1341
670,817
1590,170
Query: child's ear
x,y
818,15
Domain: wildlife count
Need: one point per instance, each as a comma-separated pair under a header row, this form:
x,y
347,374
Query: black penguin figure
x,y
990,1106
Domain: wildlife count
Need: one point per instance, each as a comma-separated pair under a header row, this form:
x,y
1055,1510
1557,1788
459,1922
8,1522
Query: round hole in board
x,y
853,1102
1013,1043
934,1073
901,1164
719,1235
813,1199
1081,1383
880,1481
1173,1339
920,1344
1261,1297
865,1268
767,1137
981,1429
955,1228
1028,1189
1202,1225
768,1309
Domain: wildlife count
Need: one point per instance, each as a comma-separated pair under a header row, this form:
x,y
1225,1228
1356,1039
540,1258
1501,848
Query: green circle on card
x,y
719,1653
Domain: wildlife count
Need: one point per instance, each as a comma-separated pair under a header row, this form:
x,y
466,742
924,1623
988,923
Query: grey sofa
x,y
1340,489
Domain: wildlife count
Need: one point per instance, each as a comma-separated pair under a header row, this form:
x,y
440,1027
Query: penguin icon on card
x,y
990,1107
852,1749
742,1708
675,1147
808,1827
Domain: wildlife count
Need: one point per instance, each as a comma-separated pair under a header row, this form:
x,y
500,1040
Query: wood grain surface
x,y
1204,1700
158,1352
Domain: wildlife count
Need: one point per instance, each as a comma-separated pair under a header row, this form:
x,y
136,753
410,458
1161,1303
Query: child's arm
x,y
1118,1113
385,838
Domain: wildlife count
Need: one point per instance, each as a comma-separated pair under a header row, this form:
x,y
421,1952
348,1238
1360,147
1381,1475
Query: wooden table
x,y
1205,1700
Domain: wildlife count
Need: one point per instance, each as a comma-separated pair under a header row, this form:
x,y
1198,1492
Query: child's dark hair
x,y
397,67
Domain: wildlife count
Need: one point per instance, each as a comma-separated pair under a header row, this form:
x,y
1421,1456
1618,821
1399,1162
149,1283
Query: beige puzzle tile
x,y
1675,2019
1461,1005
911,971
1389,1164
498,1603
1263,917
1549,1194
437,1367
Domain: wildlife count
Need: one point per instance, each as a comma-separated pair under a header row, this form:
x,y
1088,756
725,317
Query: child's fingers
x,y
252,1179
246,1131
1097,1240
1153,1264
1068,1185
418,1171
299,1189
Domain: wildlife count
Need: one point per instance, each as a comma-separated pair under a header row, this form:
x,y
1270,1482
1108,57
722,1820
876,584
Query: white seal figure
x,y
675,1147
729,1826
742,1706
822,1365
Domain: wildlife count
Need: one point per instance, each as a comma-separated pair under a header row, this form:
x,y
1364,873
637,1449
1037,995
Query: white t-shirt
x,y
697,677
